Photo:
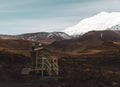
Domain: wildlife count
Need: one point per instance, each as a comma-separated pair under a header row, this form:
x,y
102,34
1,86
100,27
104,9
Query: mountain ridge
x,y
101,21
47,37
88,41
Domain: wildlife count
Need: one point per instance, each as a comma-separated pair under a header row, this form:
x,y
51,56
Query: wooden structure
x,y
41,62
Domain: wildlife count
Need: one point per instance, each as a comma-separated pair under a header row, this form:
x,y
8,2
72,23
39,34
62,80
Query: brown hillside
x,y
90,42
16,46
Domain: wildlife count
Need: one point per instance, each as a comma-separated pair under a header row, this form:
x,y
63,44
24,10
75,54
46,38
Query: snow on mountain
x,y
58,34
101,21
44,36
116,27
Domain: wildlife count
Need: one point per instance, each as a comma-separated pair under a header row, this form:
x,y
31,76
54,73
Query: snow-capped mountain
x,y
101,21
44,36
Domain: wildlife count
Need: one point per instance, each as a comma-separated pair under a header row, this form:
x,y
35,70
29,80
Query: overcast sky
x,y
24,16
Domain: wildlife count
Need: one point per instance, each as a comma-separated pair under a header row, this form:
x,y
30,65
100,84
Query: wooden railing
x,y
52,66
55,66
47,64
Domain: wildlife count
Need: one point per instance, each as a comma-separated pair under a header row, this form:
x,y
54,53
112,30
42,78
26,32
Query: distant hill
x,y
106,35
6,37
93,41
90,42
43,37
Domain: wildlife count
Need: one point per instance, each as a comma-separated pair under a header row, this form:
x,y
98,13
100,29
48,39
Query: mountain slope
x,y
5,37
116,27
100,21
105,35
16,46
90,42
43,37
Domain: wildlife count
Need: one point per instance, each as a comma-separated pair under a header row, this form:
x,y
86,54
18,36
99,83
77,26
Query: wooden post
x,y
42,66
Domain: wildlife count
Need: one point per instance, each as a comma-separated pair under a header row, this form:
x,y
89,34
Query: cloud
x,y
22,16
91,8
9,5
36,25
